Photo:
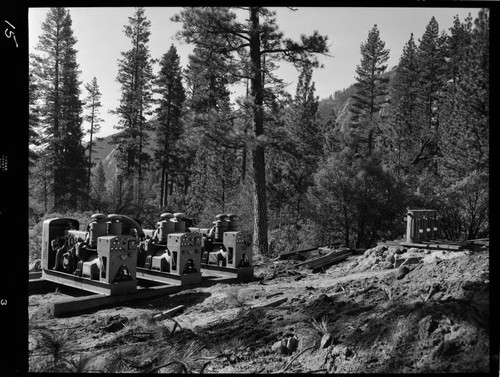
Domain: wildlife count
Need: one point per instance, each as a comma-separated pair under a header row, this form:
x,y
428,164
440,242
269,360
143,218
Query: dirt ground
x,y
432,316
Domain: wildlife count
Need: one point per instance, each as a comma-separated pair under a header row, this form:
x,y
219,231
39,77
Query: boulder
x,y
386,265
390,258
286,345
326,341
402,271
36,265
399,250
379,250
291,344
279,346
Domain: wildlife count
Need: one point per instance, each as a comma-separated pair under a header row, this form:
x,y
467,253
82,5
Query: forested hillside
x,y
298,170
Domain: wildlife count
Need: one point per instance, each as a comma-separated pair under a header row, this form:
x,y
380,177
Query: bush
x,y
356,201
464,208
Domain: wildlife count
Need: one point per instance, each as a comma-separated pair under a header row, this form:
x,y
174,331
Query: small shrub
x,y
323,326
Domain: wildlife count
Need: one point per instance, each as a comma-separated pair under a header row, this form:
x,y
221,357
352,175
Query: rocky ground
x,y
390,310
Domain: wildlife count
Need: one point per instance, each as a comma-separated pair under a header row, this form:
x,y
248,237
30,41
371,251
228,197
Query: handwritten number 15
x,y
10,33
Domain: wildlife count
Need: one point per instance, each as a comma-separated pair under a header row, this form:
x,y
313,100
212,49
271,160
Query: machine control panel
x,y
184,239
116,244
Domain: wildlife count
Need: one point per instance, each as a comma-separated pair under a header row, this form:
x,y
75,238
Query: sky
x,y
101,39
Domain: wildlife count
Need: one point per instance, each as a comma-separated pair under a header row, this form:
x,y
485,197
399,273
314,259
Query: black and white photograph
x,y
252,189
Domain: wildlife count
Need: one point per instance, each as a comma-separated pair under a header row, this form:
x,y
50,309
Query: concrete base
x,y
168,278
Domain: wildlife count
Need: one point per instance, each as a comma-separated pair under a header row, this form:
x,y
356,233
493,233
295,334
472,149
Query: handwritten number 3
x,y
10,32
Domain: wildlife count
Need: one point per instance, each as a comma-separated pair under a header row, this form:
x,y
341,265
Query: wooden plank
x,y
86,284
169,313
388,243
35,275
95,301
332,254
168,278
329,262
79,304
39,286
296,252
271,304
243,273
333,257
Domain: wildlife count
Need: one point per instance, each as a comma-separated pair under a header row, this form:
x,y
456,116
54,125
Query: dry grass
x,y
323,326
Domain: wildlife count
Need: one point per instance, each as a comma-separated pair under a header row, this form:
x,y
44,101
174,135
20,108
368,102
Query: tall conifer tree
x,y
371,91
92,104
57,72
432,80
405,119
169,129
136,78
249,43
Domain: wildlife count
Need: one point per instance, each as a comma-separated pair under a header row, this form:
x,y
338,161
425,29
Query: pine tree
x,y
171,90
209,136
371,91
297,149
57,72
466,141
98,194
432,79
136,78
248,43
93,104
405,111
34,119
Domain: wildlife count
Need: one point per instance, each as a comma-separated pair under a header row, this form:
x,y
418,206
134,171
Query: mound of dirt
x,y
425,317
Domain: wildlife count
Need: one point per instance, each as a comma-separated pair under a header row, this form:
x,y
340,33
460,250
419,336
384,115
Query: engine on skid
x,y
225,246
102,259
171,250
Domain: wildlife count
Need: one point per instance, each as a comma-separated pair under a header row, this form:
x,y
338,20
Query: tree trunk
x,y
162,185
90,151
258,155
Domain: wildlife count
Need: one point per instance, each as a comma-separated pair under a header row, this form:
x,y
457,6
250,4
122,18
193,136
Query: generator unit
x,y
226,250
171,253
93,259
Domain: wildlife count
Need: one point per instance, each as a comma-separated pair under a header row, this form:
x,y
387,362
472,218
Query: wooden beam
x,y
332,257
296,252
79,304
169,313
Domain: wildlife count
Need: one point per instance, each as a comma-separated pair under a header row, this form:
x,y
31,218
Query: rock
x,y
367,252
379,250
36,265
291,344
386,265
390,258
279,346
402,271
326,340
412,250
399,250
